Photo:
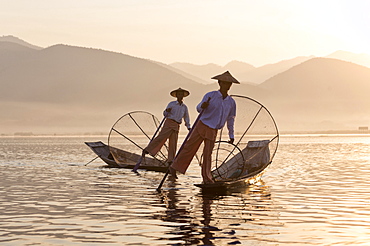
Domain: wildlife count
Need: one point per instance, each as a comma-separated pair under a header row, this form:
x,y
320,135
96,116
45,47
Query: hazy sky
x,y
196,31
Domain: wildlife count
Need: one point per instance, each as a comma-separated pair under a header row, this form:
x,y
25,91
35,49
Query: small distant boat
x,y
126,159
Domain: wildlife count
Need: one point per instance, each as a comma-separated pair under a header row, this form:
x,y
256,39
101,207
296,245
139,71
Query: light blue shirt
x,y
219,111
178,112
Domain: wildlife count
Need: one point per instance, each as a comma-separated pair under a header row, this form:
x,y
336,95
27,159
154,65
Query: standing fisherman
x,y
218,108
174,113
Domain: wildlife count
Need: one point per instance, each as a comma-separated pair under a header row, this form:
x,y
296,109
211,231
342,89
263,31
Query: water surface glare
x,y
315,192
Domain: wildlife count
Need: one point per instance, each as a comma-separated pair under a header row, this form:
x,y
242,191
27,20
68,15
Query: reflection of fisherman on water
x,y
178,214
227,213
210,217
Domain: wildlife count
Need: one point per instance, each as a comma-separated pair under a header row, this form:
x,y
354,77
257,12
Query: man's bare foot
x,y
208,181
173,172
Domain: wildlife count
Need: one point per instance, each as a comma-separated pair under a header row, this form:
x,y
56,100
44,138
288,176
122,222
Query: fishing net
x,y
255,144
130,135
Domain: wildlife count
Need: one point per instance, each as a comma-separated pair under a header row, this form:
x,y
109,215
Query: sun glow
x,y
200,32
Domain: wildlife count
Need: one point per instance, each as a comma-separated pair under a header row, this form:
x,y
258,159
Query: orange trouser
x,y
200,133
170,131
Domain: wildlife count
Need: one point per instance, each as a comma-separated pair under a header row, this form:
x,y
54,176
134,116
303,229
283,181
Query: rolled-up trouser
x,y
170,131
200,133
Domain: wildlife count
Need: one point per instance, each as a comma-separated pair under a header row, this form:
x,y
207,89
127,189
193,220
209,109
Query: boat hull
x,y
230,184
103,152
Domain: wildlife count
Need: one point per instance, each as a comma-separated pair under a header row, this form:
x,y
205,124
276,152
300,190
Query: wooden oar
x,y
136,167
182,146
92,160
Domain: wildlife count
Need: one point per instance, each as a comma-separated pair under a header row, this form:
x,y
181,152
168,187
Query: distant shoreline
x,y
282,133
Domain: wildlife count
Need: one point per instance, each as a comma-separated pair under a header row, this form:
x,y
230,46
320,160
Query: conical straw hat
x,y
173,93
226,76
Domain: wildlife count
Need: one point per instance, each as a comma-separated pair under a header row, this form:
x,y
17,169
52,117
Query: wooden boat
x,y
126,159
102,151
243,169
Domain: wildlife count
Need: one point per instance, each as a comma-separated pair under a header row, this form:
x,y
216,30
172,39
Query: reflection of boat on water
x,y
244,162
127,159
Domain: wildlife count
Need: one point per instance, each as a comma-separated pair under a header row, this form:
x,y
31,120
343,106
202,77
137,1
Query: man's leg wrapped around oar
x,y
170,130
183,159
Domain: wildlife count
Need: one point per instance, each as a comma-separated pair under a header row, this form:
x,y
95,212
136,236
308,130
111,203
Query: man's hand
x,y
168,110
231,141
204,105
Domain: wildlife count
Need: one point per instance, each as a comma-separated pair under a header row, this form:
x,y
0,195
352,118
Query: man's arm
x,y
230,123
168,109
187,118
204,103
230,127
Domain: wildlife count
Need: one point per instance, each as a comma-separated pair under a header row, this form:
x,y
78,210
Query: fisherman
x,y
174,113
219,108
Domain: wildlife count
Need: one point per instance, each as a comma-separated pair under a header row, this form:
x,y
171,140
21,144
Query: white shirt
x,y
219,111
178,112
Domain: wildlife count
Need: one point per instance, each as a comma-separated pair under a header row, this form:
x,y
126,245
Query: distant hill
x,y
206,72
13,52
74,89
12,39
321,89
244,72
86,87
238,68
261,74
361,59
183,73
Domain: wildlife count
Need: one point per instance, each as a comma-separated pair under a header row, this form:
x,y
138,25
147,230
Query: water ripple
x,y
315,192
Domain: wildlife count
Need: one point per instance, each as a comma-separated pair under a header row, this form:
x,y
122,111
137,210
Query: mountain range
x,y
322,88
68,89
361,59
205,72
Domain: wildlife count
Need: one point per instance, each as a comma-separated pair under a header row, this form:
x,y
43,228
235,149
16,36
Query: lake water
x,y
315,192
